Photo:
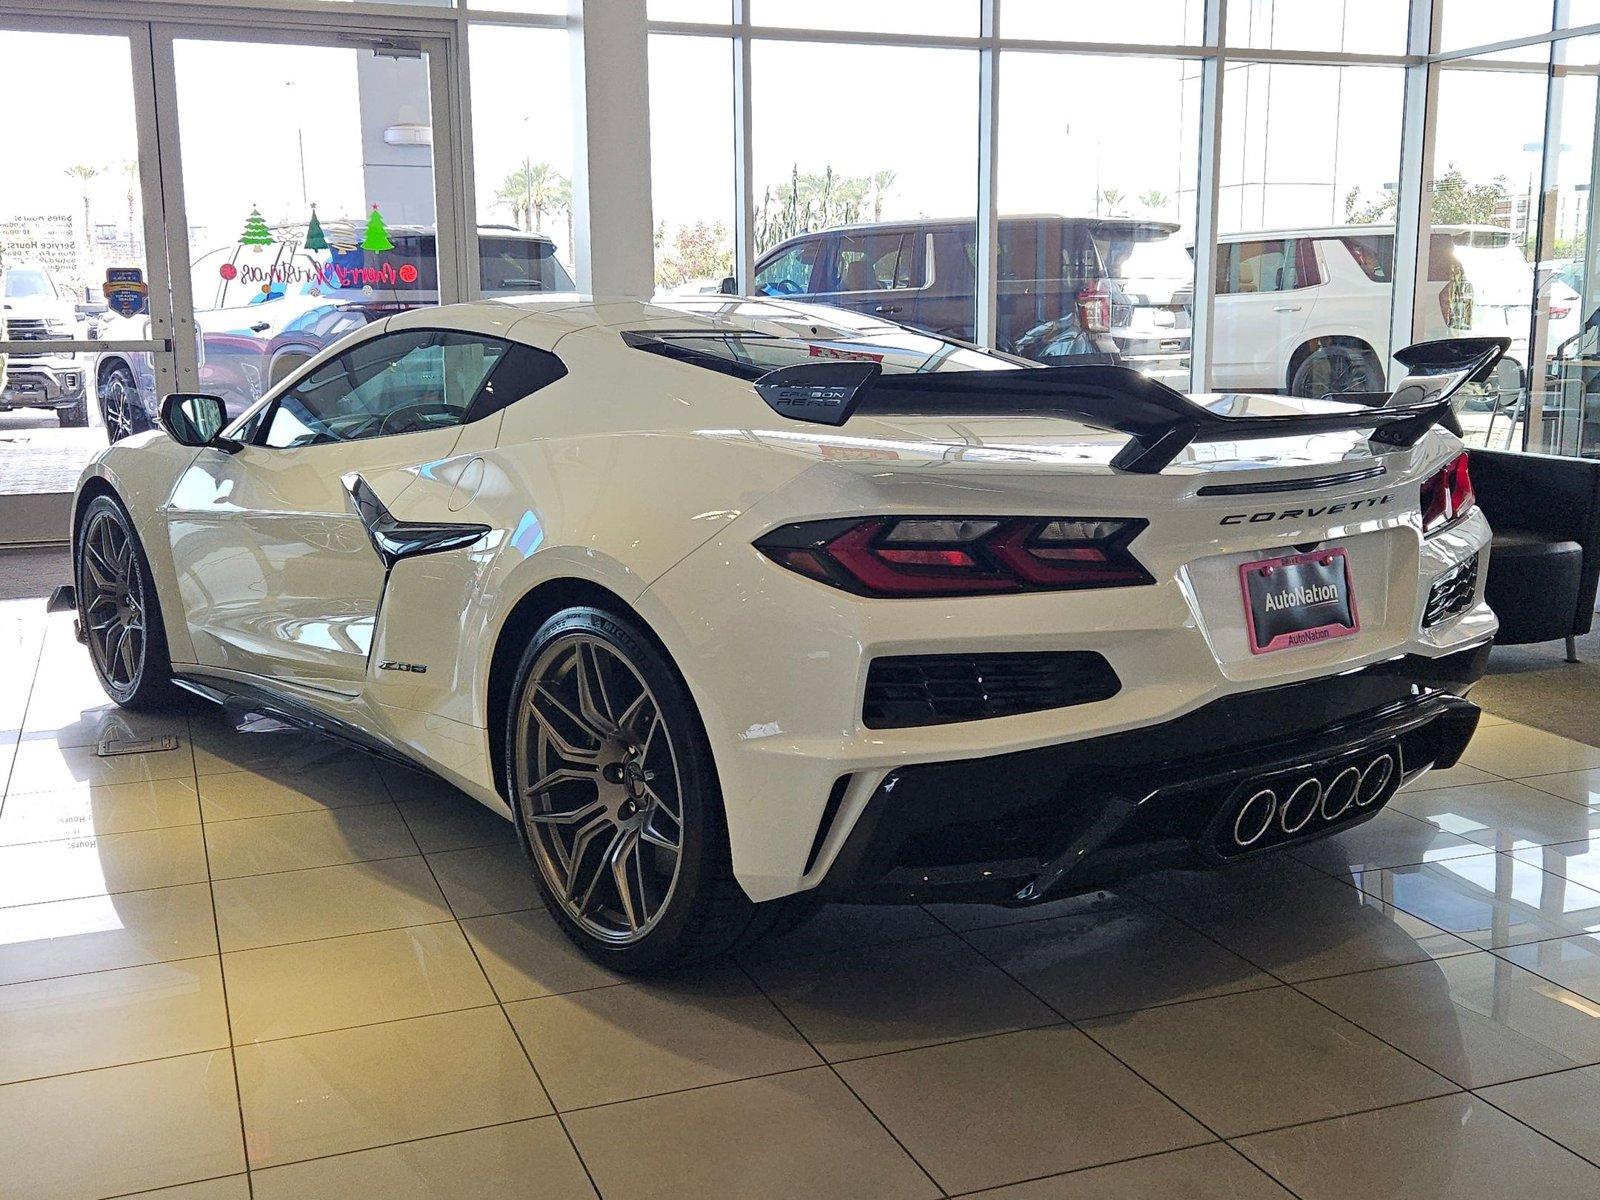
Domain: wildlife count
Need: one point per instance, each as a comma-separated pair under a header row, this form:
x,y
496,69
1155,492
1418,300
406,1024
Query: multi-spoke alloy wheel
x,y
117,400
600,788
119,609
113,601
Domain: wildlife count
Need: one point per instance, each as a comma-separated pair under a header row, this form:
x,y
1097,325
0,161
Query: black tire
x,y
137,678
703,912
1337,368
75,416
120,406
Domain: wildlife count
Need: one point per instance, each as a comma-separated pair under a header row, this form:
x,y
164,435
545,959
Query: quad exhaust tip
x,y
1291,811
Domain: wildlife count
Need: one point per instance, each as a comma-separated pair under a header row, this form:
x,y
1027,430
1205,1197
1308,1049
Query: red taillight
x,y
1446,495
960,556
1557,314
1094,308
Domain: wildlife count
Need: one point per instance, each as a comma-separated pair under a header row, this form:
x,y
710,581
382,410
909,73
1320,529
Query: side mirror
x,y
192,418
729,286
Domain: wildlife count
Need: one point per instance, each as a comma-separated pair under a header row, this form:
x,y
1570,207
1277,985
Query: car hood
x,y
38,306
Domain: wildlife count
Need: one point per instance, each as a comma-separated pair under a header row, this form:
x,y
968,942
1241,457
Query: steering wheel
x,y
782,287
417,415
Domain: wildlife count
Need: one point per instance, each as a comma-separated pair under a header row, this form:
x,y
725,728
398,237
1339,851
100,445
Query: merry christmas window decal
x,y
363,265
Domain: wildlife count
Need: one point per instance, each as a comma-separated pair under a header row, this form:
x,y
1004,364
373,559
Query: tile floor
x,y
262,965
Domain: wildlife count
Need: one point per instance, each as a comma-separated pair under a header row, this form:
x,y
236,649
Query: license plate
x,y
1298,600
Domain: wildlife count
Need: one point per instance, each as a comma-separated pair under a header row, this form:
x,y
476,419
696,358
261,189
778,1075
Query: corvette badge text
x,y
1300,514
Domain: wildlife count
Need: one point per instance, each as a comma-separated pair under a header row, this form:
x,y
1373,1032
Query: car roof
x,y
930,224
543,320
344,232
1356,230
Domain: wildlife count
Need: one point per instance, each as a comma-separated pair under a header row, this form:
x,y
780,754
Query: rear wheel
x,y
1329,370
617,800
119,609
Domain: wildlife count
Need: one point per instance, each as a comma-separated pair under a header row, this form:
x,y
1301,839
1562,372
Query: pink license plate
x,y
1298,599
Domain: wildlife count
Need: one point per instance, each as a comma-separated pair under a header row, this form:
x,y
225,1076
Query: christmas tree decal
x,y
315,238
255,232
377,236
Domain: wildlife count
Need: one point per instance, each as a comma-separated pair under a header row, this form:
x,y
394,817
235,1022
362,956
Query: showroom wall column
x,y
1414,204
1208,185
612,226
987,316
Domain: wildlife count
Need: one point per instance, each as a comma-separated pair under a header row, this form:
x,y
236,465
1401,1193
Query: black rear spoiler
x,y
1159,421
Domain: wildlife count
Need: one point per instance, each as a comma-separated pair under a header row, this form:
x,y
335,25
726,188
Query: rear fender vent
x,y
936,689
1452,593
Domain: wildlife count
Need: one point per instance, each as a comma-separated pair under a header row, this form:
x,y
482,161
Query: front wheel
x,y
118,606
74,416
617,801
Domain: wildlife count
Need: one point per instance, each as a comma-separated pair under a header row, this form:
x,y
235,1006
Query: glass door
x,y
312,193
85,318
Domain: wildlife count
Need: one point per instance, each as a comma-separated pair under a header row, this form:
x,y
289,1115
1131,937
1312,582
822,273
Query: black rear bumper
x,y
1015,828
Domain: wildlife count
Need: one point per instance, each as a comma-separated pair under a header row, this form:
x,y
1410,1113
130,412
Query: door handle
x,y
887,309
1285,308
260,327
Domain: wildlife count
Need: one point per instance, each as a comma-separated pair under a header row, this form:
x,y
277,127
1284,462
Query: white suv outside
x,y
1307,310
33,309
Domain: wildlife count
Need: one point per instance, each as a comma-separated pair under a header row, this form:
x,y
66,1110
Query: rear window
x,y
1141,253
516,266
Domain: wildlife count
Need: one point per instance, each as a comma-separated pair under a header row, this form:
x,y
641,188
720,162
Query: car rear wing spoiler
x,y
1159,421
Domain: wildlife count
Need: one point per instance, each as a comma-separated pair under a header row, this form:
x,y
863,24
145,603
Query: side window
x,y
1374,254
405,382
521,372
1022,254
790,273
873,262
1273,265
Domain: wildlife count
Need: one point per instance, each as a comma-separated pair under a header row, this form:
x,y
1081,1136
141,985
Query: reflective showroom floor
x,y
261,953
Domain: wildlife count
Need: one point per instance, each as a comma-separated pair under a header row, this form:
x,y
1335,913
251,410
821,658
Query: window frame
x,y
263,413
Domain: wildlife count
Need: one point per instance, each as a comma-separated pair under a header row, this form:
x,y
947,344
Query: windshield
x,y
27,283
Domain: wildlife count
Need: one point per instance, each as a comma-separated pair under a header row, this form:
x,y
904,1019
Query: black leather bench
x,y
1544,563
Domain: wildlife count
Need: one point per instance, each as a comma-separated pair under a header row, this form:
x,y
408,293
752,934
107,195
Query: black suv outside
x,y
1117,288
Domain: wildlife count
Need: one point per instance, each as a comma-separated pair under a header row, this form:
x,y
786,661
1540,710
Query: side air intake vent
x,y
1452,593
936,689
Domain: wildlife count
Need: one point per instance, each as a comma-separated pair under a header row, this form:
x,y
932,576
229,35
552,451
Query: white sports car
x,y
733,606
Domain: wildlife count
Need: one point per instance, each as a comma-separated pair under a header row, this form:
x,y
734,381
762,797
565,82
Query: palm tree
x,y
510,193
130,168
879,183
83,174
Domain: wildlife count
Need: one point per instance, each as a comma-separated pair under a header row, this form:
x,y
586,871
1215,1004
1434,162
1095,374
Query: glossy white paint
x,y
651,478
